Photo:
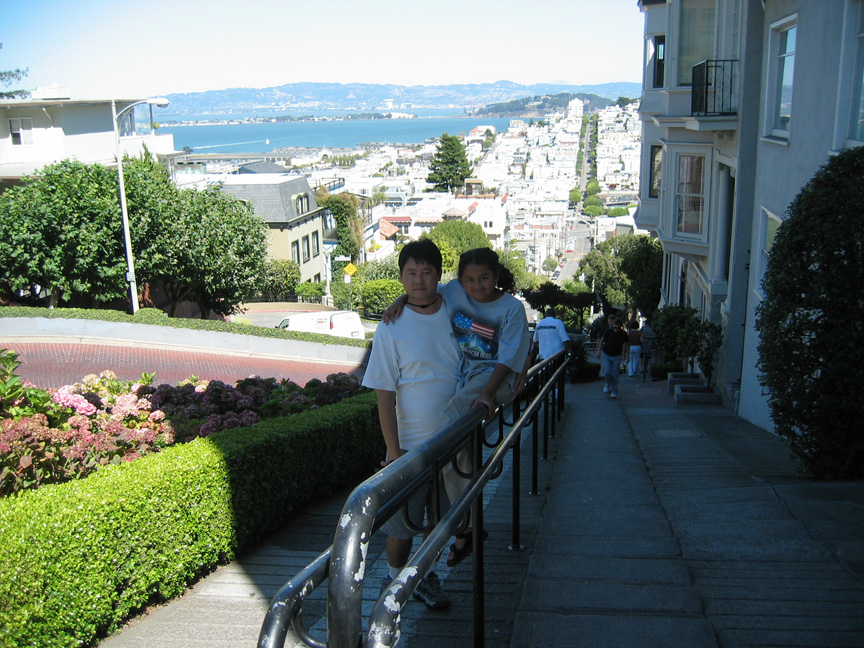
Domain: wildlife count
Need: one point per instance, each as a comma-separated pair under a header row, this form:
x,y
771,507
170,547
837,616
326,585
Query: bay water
x,y
265,137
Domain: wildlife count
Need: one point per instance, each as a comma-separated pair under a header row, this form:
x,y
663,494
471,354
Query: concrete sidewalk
x,y
654,525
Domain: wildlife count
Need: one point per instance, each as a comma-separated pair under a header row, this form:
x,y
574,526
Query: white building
x,y
743,101
51,127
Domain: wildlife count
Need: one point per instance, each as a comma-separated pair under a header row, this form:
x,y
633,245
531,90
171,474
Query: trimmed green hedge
x,y
158,318
76,559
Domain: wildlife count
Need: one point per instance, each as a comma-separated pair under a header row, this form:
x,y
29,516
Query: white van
x,y
336,323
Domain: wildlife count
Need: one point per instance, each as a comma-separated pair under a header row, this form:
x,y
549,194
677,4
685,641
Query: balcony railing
x,y
714,90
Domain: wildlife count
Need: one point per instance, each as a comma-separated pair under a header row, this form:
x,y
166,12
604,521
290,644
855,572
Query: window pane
x,y
772,224
695,36
656,171
659,61
691,202
690,174
857,130
785,76
690,214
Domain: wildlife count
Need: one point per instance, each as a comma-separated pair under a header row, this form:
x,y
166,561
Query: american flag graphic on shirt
x,y
467,324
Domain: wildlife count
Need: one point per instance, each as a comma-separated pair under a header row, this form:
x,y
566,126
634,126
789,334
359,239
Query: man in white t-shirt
x,y
414,368
551,336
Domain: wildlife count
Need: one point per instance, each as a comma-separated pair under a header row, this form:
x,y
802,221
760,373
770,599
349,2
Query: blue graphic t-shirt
x,y
488,333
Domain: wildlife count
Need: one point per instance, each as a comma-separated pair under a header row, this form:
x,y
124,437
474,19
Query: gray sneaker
x,y
431,593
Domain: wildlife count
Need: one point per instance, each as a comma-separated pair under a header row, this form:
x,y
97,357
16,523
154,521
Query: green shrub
x,y
311,290
378,294
76,559
150,316
811,351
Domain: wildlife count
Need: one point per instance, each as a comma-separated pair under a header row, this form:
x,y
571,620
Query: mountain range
x,y
373,96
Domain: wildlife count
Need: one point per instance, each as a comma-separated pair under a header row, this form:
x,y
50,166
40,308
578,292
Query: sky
x,y
121,49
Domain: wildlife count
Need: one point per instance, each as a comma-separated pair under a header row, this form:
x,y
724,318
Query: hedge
x,y
77,559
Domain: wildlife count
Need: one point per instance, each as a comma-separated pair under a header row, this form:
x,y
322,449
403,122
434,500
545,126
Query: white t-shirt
x,y
417,358
551,335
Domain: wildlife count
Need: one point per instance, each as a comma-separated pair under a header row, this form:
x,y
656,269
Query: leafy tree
x,y
281,277
626,272
593,211
513,260
449,166
8,77
349,224
230,250
641,259
549,264
453,237
575,195
594,201
618,211
811,351
552,295
592,188
62,233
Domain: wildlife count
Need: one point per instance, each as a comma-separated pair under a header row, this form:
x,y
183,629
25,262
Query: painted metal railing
x,y
715,88
383,495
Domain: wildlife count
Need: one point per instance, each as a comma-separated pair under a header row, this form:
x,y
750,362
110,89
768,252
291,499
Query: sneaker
x,y
431,593
605,389
614,394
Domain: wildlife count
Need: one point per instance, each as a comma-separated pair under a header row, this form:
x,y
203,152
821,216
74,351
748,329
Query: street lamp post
x,y
127,239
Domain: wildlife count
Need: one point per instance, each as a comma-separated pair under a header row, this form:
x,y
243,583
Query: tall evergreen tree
x,y
449,166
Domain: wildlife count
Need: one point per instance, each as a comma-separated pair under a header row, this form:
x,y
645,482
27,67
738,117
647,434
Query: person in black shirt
x,y
612,348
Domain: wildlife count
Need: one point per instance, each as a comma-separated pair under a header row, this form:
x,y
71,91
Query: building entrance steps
x,y
654,525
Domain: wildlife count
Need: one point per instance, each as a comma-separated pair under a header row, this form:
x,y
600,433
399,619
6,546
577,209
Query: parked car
x,y
336,323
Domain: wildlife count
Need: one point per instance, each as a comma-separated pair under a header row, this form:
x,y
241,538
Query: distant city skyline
x,y
101,49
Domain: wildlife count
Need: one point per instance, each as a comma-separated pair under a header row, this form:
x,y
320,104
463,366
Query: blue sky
x,y
102,49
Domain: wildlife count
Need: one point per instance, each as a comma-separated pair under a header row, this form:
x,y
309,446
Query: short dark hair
x,y
550,312
422,251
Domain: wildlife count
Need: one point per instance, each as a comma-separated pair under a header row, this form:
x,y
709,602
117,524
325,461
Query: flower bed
x,y
181,478
53,436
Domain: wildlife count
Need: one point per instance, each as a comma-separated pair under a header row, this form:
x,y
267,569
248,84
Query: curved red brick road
x,y
53,364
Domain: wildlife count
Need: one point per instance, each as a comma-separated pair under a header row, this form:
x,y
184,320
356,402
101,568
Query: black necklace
x,y
432,303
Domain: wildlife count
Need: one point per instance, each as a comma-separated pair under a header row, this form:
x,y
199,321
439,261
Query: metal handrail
x,y
383,630
381,496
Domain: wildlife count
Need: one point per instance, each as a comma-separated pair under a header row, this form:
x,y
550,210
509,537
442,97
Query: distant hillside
x,y
540,105
371,97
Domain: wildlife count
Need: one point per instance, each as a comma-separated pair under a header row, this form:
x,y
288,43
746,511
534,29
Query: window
x,y
302,204
21,131
306,255
696,29
856,132
295,252
656,171
316,245
691,194
317,278
783,38
659,61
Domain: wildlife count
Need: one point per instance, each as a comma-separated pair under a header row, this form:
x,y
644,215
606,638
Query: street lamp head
x,y
158,101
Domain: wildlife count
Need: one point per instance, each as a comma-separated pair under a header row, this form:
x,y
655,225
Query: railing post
x,y
517,476
477,524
